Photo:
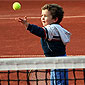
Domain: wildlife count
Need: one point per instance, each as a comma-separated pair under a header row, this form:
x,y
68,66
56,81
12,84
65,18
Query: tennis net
x,y
38,71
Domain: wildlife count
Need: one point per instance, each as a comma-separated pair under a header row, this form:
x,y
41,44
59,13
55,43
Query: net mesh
x,y
37,71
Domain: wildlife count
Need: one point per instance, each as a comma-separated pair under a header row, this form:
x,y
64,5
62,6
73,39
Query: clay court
x,y
16,41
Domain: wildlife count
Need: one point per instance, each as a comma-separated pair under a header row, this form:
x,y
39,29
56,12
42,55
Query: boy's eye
x,y
44,15
41,15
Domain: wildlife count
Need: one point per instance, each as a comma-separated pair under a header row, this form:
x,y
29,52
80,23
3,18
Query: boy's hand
x,y
23,21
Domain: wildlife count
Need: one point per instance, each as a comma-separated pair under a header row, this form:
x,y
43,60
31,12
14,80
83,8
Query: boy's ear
x,y
55,20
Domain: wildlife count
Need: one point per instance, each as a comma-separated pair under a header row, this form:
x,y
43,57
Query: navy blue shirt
x,y
51,48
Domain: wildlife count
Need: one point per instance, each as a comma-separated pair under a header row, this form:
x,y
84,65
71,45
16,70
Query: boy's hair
x,y
56,11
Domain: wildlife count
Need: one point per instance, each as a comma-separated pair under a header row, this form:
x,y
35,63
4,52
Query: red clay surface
x,y
15,40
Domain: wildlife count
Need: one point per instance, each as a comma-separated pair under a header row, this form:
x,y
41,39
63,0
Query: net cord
x,y
69,62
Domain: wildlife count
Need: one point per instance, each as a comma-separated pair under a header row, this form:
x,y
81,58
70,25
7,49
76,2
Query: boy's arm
x,y
39,31
24,21
34,29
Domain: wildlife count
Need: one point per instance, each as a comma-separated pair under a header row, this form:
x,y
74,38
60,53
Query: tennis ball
x,y
16,6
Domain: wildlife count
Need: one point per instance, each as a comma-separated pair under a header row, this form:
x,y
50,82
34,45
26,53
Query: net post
x,y
46,77
36,77
84,75
28,74
65,76
74,76
18,76
0,82
55,78
8,77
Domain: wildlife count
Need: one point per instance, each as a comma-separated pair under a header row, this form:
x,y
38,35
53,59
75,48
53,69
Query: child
x,y
53,37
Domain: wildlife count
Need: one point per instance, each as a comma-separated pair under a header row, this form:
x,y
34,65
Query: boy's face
x,y
46,18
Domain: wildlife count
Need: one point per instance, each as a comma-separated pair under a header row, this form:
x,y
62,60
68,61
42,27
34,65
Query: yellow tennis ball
x,y
16,6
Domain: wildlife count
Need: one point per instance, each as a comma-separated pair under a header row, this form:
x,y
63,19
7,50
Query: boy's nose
x,y
42,18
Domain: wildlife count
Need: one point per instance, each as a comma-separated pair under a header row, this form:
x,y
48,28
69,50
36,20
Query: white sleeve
x,y
57,30
52,31
64,34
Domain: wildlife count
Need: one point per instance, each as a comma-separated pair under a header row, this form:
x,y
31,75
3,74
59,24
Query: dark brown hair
x,y
55,10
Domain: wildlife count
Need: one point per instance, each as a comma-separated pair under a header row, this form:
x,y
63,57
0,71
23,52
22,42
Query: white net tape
x,y
68,62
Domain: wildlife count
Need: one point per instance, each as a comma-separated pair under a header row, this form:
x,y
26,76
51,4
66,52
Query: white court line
x,y
74,16
18,17
22,56
39,17
16,56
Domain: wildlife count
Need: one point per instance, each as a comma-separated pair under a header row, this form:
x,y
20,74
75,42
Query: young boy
x,y
53,37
